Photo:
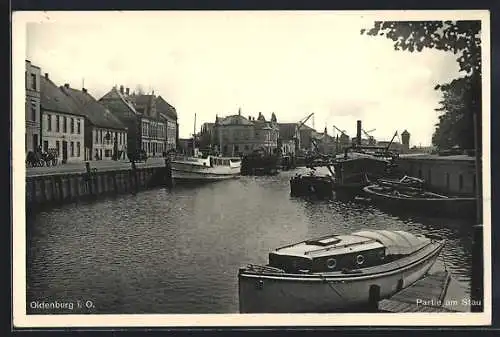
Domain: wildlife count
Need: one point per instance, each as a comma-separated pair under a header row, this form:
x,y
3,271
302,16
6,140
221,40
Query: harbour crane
x,y
343,132
297,131
371,139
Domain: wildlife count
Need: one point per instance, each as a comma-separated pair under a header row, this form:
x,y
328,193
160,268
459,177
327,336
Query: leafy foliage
x,y
462,97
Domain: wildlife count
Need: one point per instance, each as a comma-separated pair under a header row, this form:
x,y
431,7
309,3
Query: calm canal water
x,y
179,251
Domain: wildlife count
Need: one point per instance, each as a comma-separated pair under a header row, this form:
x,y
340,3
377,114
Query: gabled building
x,y
62,123
146,129
169,115
326,143
32,75
105,134
236,135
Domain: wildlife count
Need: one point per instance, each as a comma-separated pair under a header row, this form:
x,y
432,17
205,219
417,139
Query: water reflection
x,y
178,251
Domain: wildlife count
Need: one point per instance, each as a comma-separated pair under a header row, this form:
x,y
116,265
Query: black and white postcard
x,y
251,168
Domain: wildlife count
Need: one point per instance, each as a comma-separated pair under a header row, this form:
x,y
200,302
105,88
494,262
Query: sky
x,y
213,63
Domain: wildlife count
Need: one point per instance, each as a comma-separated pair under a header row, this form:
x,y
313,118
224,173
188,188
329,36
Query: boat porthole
x,y
381,255
331,263
360,259
259,284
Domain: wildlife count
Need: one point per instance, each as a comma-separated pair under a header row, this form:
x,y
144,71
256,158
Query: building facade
x,y
63,126
32,106
455,175
326,144
168,115
147,129
105,135
236,135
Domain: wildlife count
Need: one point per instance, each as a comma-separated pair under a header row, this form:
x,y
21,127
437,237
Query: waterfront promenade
x,y
99,165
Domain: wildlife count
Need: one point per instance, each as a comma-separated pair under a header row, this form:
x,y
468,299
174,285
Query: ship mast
x,y
194,135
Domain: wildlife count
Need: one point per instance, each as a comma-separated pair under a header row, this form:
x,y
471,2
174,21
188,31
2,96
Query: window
x,y
107,153
65,124
100,136
58,124
72,149
33,111
460,182
33,81
49,123
57,146
78,128
474,183
72,125
78,149
46,145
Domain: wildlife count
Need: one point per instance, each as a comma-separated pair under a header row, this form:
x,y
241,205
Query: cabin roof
x,y
329,245
395,242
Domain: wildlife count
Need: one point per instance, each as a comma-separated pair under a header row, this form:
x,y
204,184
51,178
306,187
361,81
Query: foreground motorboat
x,y
210,168
337,272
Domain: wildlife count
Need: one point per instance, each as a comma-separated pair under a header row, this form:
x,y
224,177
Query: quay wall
x,y
44,191
455,175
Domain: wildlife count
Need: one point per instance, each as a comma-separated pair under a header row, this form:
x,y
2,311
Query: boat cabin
x,y
346,253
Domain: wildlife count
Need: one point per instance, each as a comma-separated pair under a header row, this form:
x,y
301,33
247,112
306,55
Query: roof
x,y
118,103
162,106
396,242
95,112
235,120
329,245
419,156
142,99
53,99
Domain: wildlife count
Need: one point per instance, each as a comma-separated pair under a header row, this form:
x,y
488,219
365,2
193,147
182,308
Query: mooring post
x,y
88,177
134,176
168,172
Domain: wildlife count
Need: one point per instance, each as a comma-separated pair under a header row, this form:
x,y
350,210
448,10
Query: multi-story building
x,y
236,135
147,130
326,144
62,123
32,106
105,134
168,114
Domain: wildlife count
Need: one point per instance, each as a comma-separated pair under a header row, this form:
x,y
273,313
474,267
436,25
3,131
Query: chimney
x,y
121,89
84,90
47,76
127,91
358,133
66,85
249,118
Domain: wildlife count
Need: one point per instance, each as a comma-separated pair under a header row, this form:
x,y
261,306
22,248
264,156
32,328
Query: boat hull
x,y
296,293
446,207
186,172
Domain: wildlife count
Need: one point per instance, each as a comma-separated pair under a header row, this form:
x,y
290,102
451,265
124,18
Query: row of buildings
x,y
78,127
238,135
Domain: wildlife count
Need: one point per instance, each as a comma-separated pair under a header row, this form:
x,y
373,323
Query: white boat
x,y
336,272
210,168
